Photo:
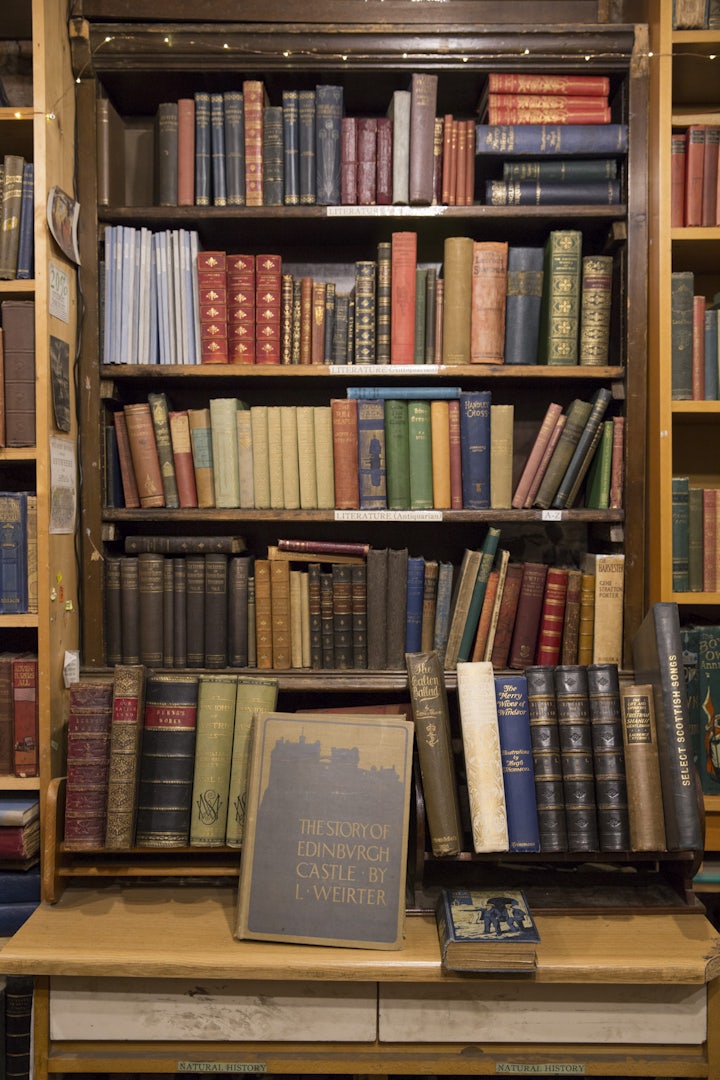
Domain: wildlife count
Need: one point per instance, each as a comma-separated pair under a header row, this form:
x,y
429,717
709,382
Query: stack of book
x,y
694,341
19,858
695,553
17,234
694,176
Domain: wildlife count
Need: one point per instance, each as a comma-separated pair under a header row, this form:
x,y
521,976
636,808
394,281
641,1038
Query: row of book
x,y
517,98
560,757
17,216
18,714
167,302
694,341
694,176
701,661
302,608
404,449
17,373
695,552
18,553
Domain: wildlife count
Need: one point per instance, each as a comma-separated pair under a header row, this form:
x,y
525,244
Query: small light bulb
x,y
587,57
225,45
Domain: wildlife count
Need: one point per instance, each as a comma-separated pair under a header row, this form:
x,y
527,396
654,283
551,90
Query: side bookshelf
x,y
682,429
37,130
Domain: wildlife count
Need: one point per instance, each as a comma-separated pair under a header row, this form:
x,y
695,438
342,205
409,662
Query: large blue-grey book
x,y
475,448
13,553
325,846
26,239
203,166
328,121
486,930
561,139
413,610
522,304
517,762
411,393
291,149
372,471
234,124
217,149
552,192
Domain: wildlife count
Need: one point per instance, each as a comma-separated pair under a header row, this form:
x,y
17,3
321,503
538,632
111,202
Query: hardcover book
x,y
128,708
486,931
88,759
325,849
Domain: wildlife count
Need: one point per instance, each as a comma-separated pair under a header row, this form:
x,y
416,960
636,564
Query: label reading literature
x,y
388,515
383,369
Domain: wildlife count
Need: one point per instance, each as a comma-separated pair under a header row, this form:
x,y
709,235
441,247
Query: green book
x,y
680,532
420,308
397,454
598,482
161,426
487,558
223,424
213,753
577,414
420,454
708,743
560,305
253,695
696,539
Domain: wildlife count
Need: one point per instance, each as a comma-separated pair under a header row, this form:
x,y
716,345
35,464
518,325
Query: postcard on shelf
x,y
486,930
62,215
325,850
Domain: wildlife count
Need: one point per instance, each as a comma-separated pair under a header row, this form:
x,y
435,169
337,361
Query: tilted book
x,y
485,931
325,849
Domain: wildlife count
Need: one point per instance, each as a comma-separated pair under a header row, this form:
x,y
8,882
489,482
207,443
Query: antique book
x,y
428,695
523,297
608,757
561,140
10,217
457,299
595,306
552,616
280,618
342,615
547,760
19,990
475,448
560,307
446,573
682,290
215,603
526,628
185,151
582,453
6,714
273,156
482,756
24,668
429,604
345,453
239,570
178,544
260,456
414,604
88,759
213,758
486,930
182,457
488,299
397,449
396,601
144,452
440,454
403,282
517,762
159,412
254,694
479,648
14,594
26,236
563,169
129,610
254,99
275,458
542,438
19,843
576,417
150,600
377,582
657,658
131,497
501,456
597,492
126,726
110,135
166,154
18,337
573,713
328,116
399,114
586,618
460,604
609,573
497,590
551,192
642,768
328,799
372,468
223,430
423,106
694,169
307,147
707,736
507,614
571,623
487,559
167,761
557,83
420,455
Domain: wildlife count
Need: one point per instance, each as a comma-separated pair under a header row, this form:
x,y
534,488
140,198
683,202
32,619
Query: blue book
x,y
13,553
217,149
291,149
372,471
20,886
203,168
517,762
328,119
18,810
442,609
582,454
475,448
26,238
487,559
711,353
414,603
522,305
234,134
410,393
552,193
12,916
541,139
306,145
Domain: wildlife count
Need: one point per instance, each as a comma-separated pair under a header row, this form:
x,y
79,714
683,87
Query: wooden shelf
x,y
350,373
377,517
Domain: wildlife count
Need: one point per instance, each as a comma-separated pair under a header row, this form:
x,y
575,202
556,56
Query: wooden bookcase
x,y
682,435
43,133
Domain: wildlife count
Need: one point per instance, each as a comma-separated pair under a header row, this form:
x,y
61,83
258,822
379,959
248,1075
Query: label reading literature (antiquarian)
x,y
388,515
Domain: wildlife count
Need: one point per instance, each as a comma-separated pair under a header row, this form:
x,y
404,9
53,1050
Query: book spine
x,y
642,768
522,311
568,169
475,448
558,336
507,616
128,709
403,281
595,306
26,234
552,616
694,167
551,139
253,92
396,601
559,114
253,695
14,595
487,558
678,157
527,619
88,756
273,156
342,627
457,299
397,450
328,117
182,458
372,471
423,106
18,336
521,83
180,651
608,757
307,145
517,763
547,761
680,527
143,448
582,453
377,582
437,767
130,610
150,599
573,711
234,123
482,756
11,206
213,759
216,610
365,303
158,403
203,164
440,454
414,604
488,298
358,576
217,150
291,149
551,193
420,455
682,289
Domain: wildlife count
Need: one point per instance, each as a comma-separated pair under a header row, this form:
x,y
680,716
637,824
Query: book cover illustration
x,y
62,217
325,851
486,930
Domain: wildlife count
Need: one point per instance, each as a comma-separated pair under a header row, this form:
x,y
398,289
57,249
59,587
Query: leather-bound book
x,y
342,615
586,620
413,612
366,160
349,161
507,615
573,713
522,309
365,304
608,757
328,117
10,218
280,623
657,658
213,759
642,768
483,760
523,645
168,660
128,712
396,607
307,149
130,609
273,156
403,282
88,757
595,305
383,182
263,614
547,760
166,154
25,715
291,150
517,762
239,568
429,604
358,575
315,616
150,596
694,167
552,616
144,452
195,609
560,307
131,497
488,299
571,624
420,455
18,333
110,154
180,613
710,175
182,457
372,469
327,623
428,695
682,290
26,235
423,106
677,180
377,583
185,151
167,761
159,412
113,617
345,453
547,426
216,610
254,100
583,451
203,161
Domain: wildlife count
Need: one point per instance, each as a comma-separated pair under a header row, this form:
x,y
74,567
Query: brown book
x,y
470,168
110,154
462,595
131,495
396,600
586,624
460,152
263,614
88,758
617,463
506,616
150,597
486,613
423,106
182,458
144,453
180,613
552,616
527,617
545,459
216,610
427,625
10,217
678,151
186,152
403,282
254,99
642,768
377,582
694,166
426,681
487,299
317,327
195,610
571,625
168,614
383,180
128,706
342,615
25,715
130,610
445,187
18,325
345,453
6,714
366,160
457,302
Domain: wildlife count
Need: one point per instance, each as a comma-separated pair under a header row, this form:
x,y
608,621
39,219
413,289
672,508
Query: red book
x,y
254,99
452,181
186,152
25,715
481,636
268,305
554,410
456,499
552,617
241,264
345,453
617,463
563,104
508,114
694,166
698,349
527,619
438,160
182,457
710,175
545,460
127,472
88,762
710,554
366,161
402,285
384,161
487,302
348,161
506,616
447,158
516,83
144,453
461,162
470,167
678,157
